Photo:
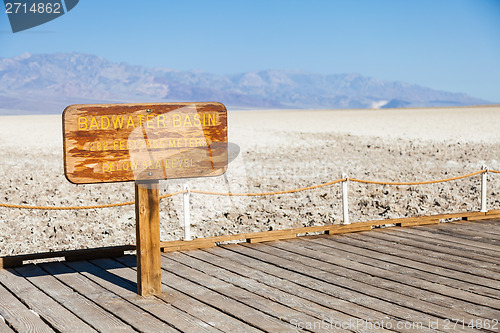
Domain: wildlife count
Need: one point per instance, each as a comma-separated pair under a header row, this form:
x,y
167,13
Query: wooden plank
x,y
81,254
488,277
486,217
363,253
187,245
271,238
471,266
51,311
253,309
351,268
303,286
492,221
279,290
295,304
470,244
88,311
419,222
393,292
439,267
475,231
493,226
18,316
4,328
463,234
184,301
306,287
424,247
336,285
488,230
254,237
147,213
120,307
126,290
444,246
128,142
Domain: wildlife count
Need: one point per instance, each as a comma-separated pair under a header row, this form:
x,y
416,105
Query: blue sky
x,y
451,45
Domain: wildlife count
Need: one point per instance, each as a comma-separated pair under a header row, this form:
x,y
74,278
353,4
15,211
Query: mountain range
x,y
47,83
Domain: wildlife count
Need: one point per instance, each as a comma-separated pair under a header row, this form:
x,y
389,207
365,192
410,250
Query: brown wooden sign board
x,y
140,142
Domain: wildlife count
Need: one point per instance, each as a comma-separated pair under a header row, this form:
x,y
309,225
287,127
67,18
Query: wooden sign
x,y
140,142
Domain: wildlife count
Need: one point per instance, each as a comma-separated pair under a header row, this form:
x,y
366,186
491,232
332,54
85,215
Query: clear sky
x,y
451,45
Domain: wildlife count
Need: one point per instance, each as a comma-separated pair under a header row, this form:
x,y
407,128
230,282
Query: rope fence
x,y
187,190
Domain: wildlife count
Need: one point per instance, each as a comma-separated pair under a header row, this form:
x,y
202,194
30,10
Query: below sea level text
x,y
175,163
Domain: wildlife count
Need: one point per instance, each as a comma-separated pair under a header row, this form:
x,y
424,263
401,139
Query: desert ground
x,y
279,150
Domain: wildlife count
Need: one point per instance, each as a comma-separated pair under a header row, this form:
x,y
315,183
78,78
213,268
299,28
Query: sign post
x,y
144,143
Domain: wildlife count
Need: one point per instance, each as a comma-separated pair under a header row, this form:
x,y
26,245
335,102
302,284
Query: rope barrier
x,y
416,183
269,193
128,203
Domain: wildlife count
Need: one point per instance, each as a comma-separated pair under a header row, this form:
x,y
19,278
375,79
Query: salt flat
x,y
280,150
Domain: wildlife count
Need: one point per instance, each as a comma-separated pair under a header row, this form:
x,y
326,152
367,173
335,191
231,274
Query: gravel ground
x,y
275,155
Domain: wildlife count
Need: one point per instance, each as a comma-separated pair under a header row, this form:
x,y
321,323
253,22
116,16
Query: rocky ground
x,y
280,159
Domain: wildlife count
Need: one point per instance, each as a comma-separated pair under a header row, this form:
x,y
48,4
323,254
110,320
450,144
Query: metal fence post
x,y
484,179
187,214
345,204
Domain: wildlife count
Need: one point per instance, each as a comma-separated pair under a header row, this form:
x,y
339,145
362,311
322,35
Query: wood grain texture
x,y
129,313
126,289
56,315
147,214
211,315
126,142
18,315
88,311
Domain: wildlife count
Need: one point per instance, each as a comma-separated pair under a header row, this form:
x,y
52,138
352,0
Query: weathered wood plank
x,y
18,316
463,234
475,264
127,312
437,259
4,328
391,291
486,229
465,243
414,261
335,285
316,313
88,311
126,289
459,252
423,290
187,299
279,290
461,229
258,311
47,308
147,226
415,272
82,254
306,287
471,250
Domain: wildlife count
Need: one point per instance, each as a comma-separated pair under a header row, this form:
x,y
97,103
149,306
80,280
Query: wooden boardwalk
x,y
443,277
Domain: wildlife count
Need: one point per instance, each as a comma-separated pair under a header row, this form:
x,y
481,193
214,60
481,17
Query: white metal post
x,y
345,204
187,214
483,189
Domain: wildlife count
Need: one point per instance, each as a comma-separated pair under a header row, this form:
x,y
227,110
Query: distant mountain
x,y
47,83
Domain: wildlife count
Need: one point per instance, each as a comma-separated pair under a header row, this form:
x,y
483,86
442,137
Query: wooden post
x,y
345,200
187,214
147,214
484,179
